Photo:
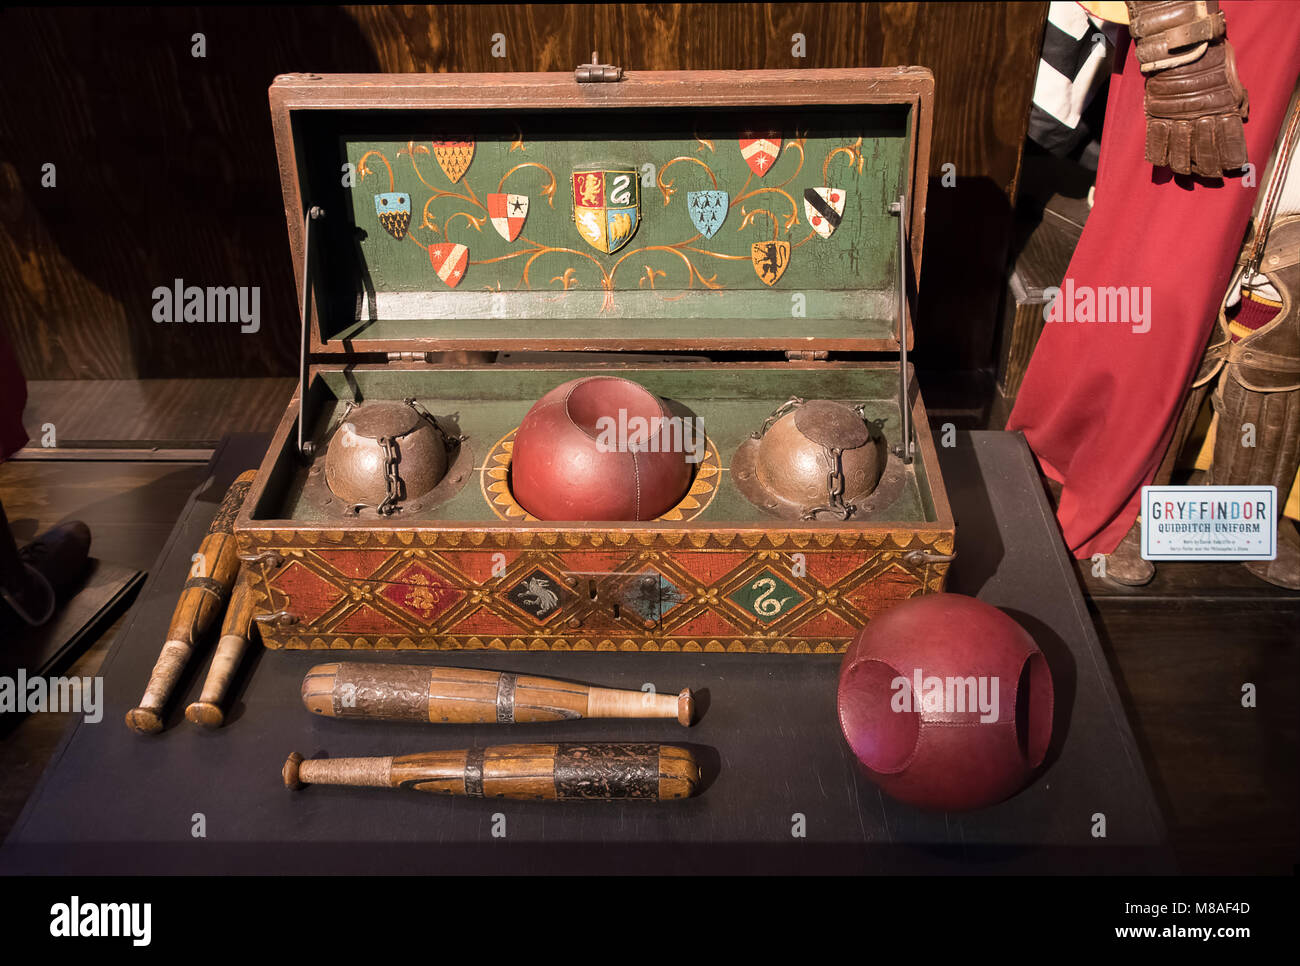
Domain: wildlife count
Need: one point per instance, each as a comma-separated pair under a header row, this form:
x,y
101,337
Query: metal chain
x,y
835,478
835,488
791,404
391,458
447,438
343,418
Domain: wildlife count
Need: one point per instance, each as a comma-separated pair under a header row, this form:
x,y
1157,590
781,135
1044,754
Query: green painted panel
x,y
667,271
767,596
489,403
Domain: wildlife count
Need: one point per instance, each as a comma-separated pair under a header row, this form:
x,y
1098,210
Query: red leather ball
x,y
568,465
946,702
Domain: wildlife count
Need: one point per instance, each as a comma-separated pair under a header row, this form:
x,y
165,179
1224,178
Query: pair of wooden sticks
x,y
215,579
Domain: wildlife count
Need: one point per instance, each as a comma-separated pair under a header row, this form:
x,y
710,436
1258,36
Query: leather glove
x,y
1195,103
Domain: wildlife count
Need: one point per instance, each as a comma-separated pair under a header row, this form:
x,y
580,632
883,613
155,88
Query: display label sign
x,y
1209,522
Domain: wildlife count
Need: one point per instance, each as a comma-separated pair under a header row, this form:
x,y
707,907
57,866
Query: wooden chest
x,y
441,213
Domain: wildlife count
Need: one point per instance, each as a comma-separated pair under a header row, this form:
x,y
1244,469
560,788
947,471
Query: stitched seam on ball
x,y
636,482
587,379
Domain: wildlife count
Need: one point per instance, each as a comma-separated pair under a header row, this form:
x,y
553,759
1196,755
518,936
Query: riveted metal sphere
x,y
946,702
356,463
567,464
795,467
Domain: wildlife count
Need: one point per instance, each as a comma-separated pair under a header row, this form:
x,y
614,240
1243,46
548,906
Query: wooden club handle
x,y
235,630
455,695
565,772
201,600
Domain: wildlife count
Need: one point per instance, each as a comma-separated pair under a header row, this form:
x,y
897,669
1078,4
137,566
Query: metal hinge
x,y
806,355
410,357
281,618
916,558
262,561
596,72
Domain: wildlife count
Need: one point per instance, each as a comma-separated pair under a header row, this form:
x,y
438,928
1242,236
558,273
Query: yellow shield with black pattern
x,y
771,259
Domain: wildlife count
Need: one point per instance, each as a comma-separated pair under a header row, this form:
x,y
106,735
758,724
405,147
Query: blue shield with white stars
x,y
708,210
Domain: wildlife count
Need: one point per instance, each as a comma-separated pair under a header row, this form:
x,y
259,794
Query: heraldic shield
x,y
453,157
507,213
771,259
824,208
760,152
708,210
394,211
606,206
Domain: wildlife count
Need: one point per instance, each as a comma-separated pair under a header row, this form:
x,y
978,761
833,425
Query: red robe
x,y
1100,401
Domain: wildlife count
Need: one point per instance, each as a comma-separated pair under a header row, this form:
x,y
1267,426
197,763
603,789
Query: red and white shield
x,y
508,213
450,262
760,153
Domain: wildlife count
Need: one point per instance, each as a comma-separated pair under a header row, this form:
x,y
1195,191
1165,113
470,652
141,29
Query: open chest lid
x,y
641,211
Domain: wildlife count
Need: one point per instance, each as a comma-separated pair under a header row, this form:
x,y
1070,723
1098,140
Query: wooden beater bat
x,y
408,692
201,600
566,772
235,630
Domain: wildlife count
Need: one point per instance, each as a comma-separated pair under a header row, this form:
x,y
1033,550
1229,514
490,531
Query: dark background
x,y
166,166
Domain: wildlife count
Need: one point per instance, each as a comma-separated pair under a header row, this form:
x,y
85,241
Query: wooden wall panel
x,y
165,164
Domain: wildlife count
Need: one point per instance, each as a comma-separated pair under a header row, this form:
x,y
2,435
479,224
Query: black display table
x,y
114,801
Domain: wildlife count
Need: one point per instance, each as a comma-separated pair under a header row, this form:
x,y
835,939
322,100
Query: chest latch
x,y
597,73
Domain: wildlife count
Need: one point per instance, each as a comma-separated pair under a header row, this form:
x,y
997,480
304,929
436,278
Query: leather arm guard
x,y
1195,103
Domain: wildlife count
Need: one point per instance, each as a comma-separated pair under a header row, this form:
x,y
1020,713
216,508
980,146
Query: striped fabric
x,y
1254,311
1072,68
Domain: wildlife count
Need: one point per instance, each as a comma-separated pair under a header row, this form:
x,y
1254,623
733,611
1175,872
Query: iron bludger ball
x,y
814,459
384,455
